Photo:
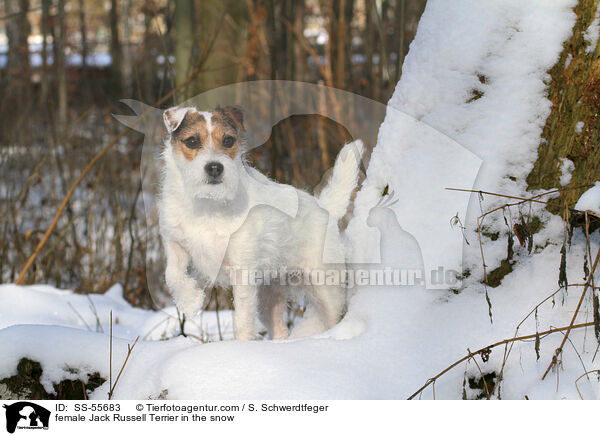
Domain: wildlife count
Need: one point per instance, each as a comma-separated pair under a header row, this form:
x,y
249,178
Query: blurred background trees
x,y
65,64
118,48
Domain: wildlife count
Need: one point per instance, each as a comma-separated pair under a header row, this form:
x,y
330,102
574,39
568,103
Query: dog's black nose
x,y
214,169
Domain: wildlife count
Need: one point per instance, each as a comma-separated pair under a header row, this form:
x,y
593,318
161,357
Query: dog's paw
x,y
190,303
245,336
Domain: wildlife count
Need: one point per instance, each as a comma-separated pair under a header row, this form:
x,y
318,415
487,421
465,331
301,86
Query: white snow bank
x,y
590,200
350,361
477,72
45,305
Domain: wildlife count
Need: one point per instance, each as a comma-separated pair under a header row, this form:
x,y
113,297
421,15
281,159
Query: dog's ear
x,y
173,117
235,114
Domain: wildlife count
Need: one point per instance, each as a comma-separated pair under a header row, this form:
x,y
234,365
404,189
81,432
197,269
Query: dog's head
x,y
207,149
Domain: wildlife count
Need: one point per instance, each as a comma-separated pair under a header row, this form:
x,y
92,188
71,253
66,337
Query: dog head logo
x,y
26,415
207,148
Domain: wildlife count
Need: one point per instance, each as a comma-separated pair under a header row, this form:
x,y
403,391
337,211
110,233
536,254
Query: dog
x,y
216,215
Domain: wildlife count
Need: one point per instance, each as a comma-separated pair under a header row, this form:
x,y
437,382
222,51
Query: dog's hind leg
x,y
271,302
330,301
245,299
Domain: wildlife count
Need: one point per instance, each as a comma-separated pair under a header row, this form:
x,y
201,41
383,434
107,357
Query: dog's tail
x,y
335,197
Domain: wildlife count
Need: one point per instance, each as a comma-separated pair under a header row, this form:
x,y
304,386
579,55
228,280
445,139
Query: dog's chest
x,y
213,241
207,233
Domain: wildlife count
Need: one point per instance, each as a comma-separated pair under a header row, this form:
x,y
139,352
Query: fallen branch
x,y
488,347
523,199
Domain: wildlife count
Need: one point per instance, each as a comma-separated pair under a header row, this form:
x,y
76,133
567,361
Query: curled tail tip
x,y
356,145
336,196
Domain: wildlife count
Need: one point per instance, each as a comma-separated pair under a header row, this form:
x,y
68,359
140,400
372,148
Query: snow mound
x,y
590,200
472,91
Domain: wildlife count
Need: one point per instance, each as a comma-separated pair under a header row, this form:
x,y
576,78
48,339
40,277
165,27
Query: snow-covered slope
x,y
472,92
477,72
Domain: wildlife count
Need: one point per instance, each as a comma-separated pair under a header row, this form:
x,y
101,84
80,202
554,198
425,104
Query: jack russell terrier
x,y
217,215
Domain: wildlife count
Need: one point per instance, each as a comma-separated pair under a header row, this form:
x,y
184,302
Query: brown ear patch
x,y
193,124
233,115
174,116
222,127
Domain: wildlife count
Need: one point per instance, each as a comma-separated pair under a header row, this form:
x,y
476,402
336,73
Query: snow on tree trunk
x,y
572,131
477,72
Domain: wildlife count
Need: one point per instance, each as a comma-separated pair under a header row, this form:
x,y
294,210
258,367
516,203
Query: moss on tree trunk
x,y
575,95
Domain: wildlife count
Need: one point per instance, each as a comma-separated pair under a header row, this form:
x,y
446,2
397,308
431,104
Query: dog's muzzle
x,y
214,170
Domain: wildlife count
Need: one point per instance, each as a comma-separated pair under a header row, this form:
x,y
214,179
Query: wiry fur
x,y
215,227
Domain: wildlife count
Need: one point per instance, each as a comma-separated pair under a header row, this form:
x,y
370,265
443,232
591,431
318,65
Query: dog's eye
x,y
192,142
228,141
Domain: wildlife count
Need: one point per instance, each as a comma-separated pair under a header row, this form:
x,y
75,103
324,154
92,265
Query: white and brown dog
x,y
217,215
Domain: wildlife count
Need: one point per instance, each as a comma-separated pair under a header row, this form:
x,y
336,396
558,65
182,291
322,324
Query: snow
x,y
45,305
566,168
592,33
477,72
468,113
306,368
579,126
590,200
568,60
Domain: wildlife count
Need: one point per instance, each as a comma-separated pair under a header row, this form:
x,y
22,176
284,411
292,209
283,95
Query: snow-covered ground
x,y
473,87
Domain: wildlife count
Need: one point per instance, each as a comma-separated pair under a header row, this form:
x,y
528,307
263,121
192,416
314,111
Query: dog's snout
x,y
214,169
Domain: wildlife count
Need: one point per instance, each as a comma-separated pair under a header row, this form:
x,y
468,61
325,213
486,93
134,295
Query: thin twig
x,y
486,390
110,360
585,288
323,69
79,315
534,198
505,341
217,314
522,200
131,237
129,351
584,375
99,328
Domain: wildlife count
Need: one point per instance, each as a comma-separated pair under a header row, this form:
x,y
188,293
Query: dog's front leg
x,y
188,297
245,300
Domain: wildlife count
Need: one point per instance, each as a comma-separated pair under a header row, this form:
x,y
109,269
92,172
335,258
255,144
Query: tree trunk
x,y
572,130
60,65
84,44
224,63
149,75
184,37
18,67
45,79
400,14
340,40
127,71
299,53
369,48
115,48
289,59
